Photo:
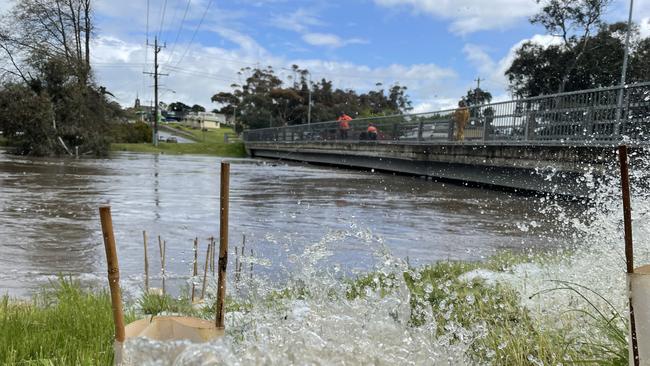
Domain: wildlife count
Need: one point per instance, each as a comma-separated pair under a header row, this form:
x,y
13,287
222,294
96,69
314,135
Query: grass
x,y
207,143
510,334
68,325
64,325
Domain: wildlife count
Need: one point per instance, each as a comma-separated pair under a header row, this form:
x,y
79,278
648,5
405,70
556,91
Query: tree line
x,y
265,100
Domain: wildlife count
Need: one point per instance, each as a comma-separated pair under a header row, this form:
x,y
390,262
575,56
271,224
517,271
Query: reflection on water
x,y
49,218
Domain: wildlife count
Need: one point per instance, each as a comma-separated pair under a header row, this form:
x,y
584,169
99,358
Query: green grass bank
x,y
207,143
68,325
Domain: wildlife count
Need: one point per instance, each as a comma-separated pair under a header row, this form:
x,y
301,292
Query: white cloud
x,y
118,65
494,71
469,16
330,40
299,21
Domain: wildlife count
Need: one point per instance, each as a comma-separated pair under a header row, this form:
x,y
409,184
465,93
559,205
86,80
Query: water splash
x,y
308,317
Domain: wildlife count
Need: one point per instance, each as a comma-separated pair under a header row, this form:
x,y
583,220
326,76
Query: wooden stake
x,y
205,270
113,271
629,247
214,245
251,263
146,263
223,244
195,270
243,254
161,246
236,264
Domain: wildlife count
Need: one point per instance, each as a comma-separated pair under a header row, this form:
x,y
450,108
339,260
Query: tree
x,y
265,101
538,70
37,30
46,44
197,108
477,97
179,107
573,21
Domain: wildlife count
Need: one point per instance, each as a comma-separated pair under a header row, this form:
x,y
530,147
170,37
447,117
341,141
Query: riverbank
x,y
461,311
210,142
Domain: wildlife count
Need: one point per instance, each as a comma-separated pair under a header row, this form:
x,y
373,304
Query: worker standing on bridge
x,y
344,125
372,132
461,117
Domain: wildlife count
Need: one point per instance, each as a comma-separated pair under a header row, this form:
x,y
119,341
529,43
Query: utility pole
x,y
156,74
478,82
478,87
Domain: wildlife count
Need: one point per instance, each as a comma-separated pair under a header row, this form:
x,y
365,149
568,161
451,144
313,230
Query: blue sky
x,y
434,47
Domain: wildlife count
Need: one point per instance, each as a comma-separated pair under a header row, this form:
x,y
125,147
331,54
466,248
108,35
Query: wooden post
x,y
223,245
205,270
113,271
161,246
629,247
146,263
195,269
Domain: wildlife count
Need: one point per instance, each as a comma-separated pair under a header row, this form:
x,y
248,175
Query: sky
x,y
436,48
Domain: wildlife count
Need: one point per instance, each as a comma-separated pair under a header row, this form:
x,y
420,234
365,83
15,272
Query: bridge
x,y
559,144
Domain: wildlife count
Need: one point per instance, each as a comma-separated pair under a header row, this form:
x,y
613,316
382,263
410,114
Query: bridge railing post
x,y
450,129
420,130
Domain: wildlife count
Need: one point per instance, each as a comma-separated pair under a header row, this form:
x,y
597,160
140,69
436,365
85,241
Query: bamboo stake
x,y
113,271
236,263
243,254
251,264
629,247
223,244
212,242
161,246
195,270
205,270
146,263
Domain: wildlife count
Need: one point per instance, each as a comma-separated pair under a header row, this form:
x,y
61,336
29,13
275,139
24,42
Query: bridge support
x,y
554,169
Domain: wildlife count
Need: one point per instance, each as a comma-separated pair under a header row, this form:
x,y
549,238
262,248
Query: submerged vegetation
x,y
67,324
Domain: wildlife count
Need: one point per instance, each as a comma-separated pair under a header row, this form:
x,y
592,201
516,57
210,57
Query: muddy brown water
x,y
49,221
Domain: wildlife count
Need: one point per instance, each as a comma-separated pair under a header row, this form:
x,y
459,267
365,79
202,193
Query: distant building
x,y
205,120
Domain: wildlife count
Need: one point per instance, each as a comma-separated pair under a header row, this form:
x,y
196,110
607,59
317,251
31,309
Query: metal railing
x,y
586,116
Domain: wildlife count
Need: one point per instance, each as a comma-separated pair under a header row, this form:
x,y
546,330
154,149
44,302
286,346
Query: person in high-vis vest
x,y
461,117
344,125
372,132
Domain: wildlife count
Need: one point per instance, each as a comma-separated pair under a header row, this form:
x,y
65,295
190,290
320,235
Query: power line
x,y
178,34
196,30
201,73
162,18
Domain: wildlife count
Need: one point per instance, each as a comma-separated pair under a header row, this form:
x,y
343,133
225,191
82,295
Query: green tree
x,y
46,44
477,96
264,100
197,108
573,21
538,70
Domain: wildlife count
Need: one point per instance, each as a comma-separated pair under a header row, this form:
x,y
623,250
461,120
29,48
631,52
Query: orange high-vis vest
x,y
344,123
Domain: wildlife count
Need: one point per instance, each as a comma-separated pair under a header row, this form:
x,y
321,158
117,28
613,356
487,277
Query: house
x,y
205,120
